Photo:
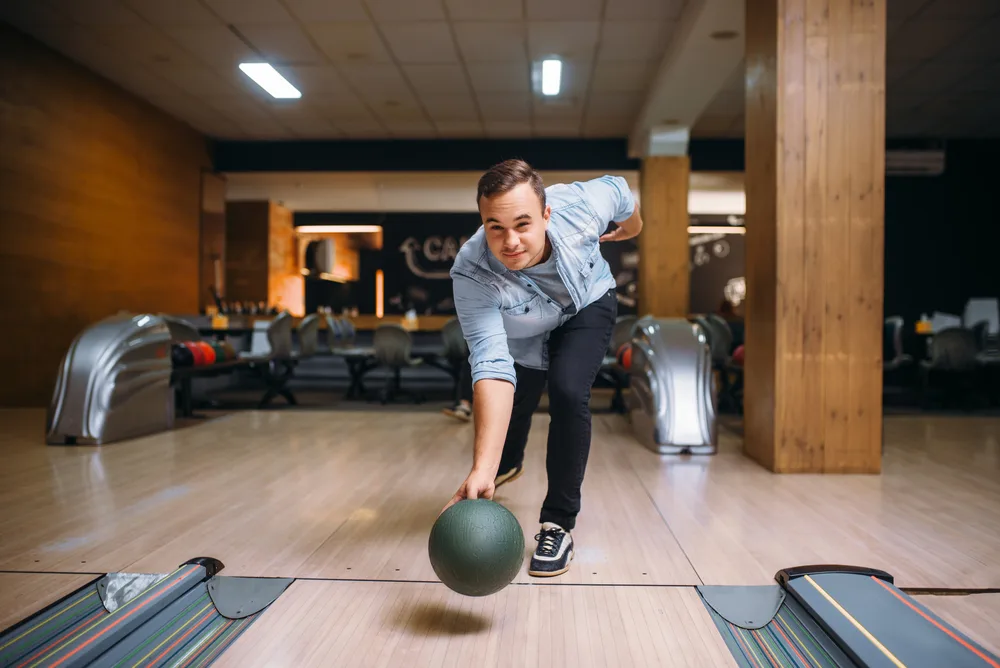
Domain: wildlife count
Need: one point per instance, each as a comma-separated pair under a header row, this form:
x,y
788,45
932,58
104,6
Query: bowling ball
x,y
476,547
209,352
738,356
625,356
197,354
220,351
181,356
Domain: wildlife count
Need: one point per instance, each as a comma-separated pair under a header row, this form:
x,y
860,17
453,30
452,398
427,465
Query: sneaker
x,y
459,412
554,552
508,476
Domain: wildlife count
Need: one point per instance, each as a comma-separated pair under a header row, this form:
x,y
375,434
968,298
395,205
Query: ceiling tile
x,y
634,40
197,80
354,42
712,126
406,10
398,110
563,10
625,104
979,44
607,126
328,10
556,129
314,80
215,46
408,129
362,127
520,129
265,128
281,43
459,129
377,81
643,10
505,107
959,9
250,11
904,8
451,108
344,106
569,110
175,12
919,39
933,77
144,44
982,82
437,79
27,15
623,77
425,42
498,41
499,78
566,39
575,78
896,69
484,10
105,13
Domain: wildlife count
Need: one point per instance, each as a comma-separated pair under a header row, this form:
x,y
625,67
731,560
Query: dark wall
x,y
718,266
942,235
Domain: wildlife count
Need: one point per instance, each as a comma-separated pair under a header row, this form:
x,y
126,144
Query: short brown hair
x,y
507,175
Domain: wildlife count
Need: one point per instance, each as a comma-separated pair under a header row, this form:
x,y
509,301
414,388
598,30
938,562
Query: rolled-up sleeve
x,y
611,198
478,308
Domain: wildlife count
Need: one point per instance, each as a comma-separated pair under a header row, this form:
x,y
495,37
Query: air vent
x,y
914,162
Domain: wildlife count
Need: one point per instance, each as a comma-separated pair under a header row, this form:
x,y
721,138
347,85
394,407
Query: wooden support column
x,y
664,284
815,165
261,256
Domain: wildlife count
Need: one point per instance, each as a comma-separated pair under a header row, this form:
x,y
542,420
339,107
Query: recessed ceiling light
x,y
551,76
724,34
268,78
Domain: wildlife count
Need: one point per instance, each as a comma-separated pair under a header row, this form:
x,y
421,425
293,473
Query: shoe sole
x,y
510,479
552,574
457,415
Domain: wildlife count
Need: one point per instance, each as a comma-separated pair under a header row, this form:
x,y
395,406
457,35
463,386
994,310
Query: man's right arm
x,y
493,375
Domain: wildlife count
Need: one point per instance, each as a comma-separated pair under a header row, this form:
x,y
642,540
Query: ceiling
x,y
369,68
942,73
462,68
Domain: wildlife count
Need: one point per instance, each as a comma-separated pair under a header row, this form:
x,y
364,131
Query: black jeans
x,y
576,352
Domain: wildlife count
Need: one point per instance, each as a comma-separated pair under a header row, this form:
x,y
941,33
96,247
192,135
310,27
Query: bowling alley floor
x,y
342,501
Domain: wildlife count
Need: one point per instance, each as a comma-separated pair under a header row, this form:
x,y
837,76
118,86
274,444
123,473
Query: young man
x,y
536,300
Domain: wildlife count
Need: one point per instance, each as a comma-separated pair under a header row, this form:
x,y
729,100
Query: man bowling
x,y
536,301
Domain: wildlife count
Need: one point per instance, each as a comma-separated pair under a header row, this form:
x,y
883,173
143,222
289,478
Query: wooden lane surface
x,y
313,494
369,624
976,615
23,594
304,494
930,519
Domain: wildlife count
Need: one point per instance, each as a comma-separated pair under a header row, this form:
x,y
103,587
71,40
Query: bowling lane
x,y
22,594
370,624
349,495
621,538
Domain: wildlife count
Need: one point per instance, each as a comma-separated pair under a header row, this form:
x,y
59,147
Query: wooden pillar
x,y
815,165
664,284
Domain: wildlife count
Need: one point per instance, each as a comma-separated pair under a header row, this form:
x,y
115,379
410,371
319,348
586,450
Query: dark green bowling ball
x,y
476,547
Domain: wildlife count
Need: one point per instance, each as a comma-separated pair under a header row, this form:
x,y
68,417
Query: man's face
x,y
515,226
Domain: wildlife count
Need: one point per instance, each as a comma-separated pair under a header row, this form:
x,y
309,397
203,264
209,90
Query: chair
x,y
277,365
392,349
308,336
953,360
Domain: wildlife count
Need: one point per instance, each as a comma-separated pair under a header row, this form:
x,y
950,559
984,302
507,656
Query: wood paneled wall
x,y
99,210
664,284
262,256
815,151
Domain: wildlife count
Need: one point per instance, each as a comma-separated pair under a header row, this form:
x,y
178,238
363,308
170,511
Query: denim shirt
x,y
505,317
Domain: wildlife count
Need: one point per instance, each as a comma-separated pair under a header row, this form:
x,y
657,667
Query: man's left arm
x,y
613,201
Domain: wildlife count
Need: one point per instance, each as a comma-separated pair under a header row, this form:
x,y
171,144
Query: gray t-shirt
x,y
546,277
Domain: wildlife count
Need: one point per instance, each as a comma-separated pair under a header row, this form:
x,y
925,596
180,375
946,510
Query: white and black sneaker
x,y
509,475
554,552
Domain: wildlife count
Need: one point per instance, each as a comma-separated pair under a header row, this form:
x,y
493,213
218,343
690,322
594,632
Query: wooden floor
x,y
345,499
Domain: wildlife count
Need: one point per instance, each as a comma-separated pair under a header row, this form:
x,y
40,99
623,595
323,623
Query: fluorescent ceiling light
x,y
710,229
268,78
337,229
551,73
